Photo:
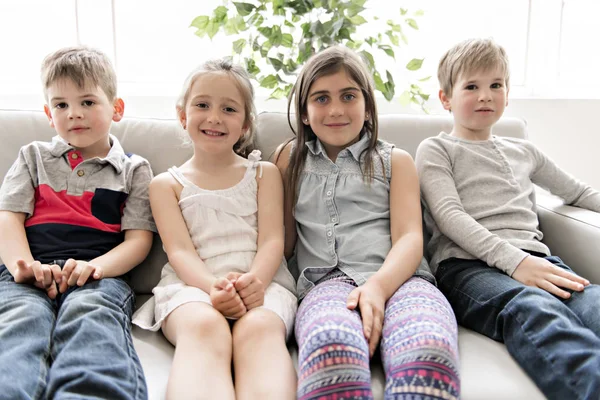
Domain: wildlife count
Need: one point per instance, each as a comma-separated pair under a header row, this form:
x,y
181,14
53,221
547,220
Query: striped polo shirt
x,y
77,208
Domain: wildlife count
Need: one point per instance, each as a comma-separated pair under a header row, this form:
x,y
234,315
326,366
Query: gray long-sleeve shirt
x,y
480,198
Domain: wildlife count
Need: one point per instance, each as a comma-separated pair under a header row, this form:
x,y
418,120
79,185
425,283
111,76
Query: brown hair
x,y
245,144
325,63
469,56
84,66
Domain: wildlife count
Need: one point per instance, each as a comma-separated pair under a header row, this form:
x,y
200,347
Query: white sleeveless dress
x,y
223,227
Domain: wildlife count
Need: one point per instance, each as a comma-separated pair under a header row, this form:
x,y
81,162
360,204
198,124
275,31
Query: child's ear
x,y
445,100
49,115
305,119
118,109
182,117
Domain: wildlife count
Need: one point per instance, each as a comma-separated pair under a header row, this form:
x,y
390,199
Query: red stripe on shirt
x,y
62,208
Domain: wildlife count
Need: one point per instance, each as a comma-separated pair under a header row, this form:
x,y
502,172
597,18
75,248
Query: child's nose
x,y
485,95
336,109
213,117
75,112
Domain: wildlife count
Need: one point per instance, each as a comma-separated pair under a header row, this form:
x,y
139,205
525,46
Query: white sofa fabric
x,y
487,370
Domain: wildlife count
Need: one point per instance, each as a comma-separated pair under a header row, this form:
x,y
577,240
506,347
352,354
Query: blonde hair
x,y
84,66
469,56
245,144
325,63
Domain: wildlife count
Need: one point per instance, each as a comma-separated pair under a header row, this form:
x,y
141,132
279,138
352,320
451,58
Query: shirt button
x,y
74,156
80,173
329,233
329,193
334,219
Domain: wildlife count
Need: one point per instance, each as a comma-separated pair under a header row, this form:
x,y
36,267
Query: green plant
x,y
275,37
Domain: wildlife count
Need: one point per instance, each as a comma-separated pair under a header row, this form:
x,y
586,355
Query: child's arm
x,y
16,255
406,252
439,191
282,159
251,286
549,176
175,236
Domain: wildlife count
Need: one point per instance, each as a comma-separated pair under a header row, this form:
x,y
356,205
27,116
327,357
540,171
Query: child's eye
x,y
202,105
229,109
348,97
496,85
471,87
60,105
88,103
321,99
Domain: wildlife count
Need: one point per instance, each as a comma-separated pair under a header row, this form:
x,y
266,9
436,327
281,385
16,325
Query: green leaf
x,y
369,59
269,82
264,49
419,13
358,2
230,28
424,96
276,63
389,77
287,40
212,28
405,98
379,85
251,67
403,11
266,32
200,22
358,20
220,13
387,50
425,79
239,45
389,91
244,9
256,20
412,23
277,94
393,38
276,36
414,64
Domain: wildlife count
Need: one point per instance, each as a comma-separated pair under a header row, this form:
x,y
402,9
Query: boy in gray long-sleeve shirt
x,y
486,247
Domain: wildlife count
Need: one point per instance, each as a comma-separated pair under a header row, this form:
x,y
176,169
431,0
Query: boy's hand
x,y
226,299
371,302
43,276
541,273
251,290
77,272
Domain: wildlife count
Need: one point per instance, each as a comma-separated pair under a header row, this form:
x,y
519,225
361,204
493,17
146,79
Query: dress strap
x,y
254,159
176,173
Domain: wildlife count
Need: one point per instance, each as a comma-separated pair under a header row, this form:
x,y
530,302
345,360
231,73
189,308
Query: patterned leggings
x,y
419,346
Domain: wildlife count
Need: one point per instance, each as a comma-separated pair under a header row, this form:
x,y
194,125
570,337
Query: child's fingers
x,y
84,275
56,273
376,334
366,313
38,272
253,288
353,298
233,277
68,269
52,291
21,264
235,311
98,272
244,281
222,284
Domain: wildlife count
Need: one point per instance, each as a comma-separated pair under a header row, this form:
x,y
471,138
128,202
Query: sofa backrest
x,y
164,144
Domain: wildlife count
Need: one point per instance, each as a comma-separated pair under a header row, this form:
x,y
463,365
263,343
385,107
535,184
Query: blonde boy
x,y
74,218
486,247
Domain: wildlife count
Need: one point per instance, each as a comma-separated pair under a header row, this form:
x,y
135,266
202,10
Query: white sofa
x,y
487,371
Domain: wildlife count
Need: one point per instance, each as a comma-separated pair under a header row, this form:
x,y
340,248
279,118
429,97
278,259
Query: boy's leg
x,y
419,345
586,304
333,355
26,321
545,337
92,349
262,363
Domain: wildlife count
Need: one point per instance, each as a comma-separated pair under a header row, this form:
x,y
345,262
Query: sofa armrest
x,y
571,233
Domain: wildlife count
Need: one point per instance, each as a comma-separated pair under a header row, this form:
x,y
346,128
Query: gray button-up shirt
x,y
342,219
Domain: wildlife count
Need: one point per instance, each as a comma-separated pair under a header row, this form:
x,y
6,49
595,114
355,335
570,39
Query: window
x,y
153,47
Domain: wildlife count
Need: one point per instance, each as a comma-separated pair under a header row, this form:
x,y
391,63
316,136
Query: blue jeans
x,y
557,342
77,346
